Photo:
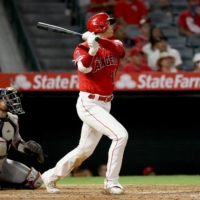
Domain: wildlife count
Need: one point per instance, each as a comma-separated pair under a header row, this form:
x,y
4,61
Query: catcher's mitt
x,y
33,148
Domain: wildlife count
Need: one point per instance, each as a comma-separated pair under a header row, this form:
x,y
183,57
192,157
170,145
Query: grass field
x,y
178,179
180,187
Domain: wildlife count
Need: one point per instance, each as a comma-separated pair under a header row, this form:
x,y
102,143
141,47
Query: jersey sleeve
x,y
80,52
114,46
83,59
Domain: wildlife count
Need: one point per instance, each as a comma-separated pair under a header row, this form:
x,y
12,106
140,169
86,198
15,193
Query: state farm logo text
x,y
45,82
147,81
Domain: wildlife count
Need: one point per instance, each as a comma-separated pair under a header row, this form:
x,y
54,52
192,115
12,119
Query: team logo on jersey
x,y
100,63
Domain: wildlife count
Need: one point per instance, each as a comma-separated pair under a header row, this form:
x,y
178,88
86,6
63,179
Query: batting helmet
x,y
12,101
97,23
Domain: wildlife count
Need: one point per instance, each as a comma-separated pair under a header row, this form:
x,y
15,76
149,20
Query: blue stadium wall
x,y
164,131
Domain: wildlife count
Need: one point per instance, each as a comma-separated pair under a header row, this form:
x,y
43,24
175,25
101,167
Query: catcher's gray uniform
x,y
14,172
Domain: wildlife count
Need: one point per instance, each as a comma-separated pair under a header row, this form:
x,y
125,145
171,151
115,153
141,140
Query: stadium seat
x,y
197,50
178,6
171,31
47,7
55,19
54,52
187,65
186,53
132,31
68,42
177,42
193,41
175,20
160,18
57,65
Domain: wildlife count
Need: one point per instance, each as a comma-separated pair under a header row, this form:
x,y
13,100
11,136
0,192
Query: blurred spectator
x,y
102,168
150,47
161,45
149,171
79,172
119,33
136,62
189,20
196,60
146,3
83,5
129,44
160,6
68,6
144,28
97,6
130,12
165,62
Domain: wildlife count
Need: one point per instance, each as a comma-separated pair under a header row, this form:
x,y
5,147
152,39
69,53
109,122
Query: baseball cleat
x,y
114,189
50,185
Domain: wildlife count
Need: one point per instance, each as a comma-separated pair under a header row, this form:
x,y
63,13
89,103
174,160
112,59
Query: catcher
x,y
13,173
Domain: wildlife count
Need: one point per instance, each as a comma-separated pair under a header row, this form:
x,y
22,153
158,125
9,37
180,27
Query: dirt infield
x,y
95,192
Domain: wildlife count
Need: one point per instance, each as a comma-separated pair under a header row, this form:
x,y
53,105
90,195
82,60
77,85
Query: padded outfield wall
x,y
164,130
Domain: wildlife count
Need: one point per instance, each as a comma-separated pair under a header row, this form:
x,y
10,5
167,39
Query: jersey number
x,y
113,74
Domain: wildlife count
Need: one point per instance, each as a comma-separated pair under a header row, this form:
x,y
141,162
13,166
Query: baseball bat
x,y
57,29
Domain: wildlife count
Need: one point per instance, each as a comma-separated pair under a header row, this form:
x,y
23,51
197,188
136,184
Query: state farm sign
x,y
159,81
150,81
58,82
43,81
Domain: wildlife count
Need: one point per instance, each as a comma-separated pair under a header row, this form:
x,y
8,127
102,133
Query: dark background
x,y
164,130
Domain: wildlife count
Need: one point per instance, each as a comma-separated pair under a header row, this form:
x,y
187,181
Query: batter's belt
x,y
101,98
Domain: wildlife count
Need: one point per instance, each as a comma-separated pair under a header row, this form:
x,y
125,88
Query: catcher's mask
x,y
12,101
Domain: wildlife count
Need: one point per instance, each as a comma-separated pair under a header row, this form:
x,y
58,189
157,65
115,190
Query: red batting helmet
x,y
97,23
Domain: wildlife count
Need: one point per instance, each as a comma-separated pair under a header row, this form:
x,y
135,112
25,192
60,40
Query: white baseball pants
x,y
97,121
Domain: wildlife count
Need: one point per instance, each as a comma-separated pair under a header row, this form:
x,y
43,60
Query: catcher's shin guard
x,y
3,151
33,180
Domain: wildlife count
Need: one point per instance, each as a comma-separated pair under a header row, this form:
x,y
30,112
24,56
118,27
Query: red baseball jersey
x,y
101,9
132,13
140,42
104,68
188,21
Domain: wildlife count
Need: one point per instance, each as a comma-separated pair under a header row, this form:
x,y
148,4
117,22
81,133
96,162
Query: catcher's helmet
x,y
12,101
97,23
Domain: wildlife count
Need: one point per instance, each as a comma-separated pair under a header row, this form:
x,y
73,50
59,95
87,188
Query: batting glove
x,y
92,44
86,35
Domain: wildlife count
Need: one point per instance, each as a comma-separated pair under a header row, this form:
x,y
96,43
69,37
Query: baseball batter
x,y
97,60
13,173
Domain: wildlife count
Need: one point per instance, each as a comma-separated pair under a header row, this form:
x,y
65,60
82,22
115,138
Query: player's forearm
x,y
84,65
87,60
112,46
183,31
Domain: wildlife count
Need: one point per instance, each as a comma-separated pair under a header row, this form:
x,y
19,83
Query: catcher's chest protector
x,y
7,129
